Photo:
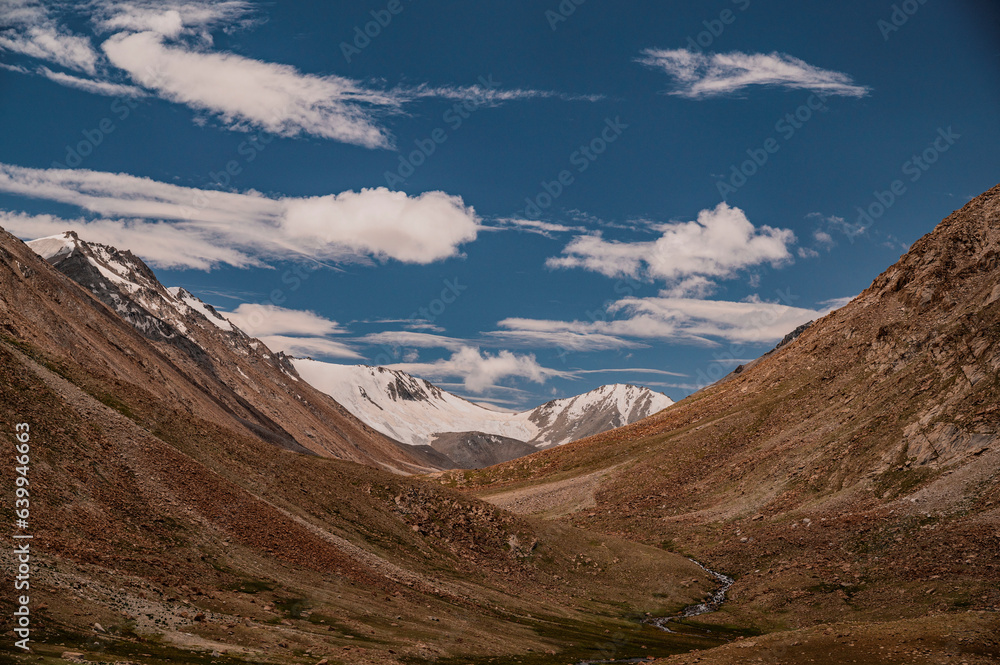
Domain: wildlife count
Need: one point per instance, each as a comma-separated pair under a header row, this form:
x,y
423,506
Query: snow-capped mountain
x,y
417,412
246,385
127,285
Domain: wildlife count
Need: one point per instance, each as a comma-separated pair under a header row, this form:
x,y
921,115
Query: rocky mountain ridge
x,y
238,375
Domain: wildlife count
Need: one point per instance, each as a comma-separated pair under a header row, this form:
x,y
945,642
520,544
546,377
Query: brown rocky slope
x,y
849,476
172,524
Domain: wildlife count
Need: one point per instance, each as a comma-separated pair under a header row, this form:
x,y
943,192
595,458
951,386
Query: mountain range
x,y
440,430
195,498
418,413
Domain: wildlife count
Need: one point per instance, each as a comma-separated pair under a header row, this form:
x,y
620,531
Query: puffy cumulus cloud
x,y
702,75
480,372
267,319
247,228
687,255
384,223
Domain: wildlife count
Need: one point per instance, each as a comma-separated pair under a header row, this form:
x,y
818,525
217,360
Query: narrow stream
x,y
711,605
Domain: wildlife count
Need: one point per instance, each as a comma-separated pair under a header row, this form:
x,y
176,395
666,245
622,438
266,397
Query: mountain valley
x,y
198,498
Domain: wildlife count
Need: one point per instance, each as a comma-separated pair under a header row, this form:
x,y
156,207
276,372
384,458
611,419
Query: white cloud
x,y
836,303
309,347
823,239
492,95
166,47
547,229
629,370
383,223
670,320
92,86
171,19
534,333
687,255
246,92
31,31
295,332
700,75
834,223
278,98
159,244
480,372
753,321
250,227
266,319
402,338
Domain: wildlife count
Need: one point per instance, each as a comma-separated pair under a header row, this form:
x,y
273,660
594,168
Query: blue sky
x,y
517,200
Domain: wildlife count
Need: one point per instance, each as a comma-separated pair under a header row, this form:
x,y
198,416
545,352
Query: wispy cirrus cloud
x,y
160,244
203,228
30,29
413,339
629,370
480,372
535,333
667,320
93,86
244,92
165,49
309,347
704,75
688,256
546,229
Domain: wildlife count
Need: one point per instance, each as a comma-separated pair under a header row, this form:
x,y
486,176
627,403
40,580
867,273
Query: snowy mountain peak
x,y
125,283
599,410
196,304
54,247
416,412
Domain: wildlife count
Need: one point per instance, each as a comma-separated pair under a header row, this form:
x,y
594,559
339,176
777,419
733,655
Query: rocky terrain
x,y
848,480
179,517
202,364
